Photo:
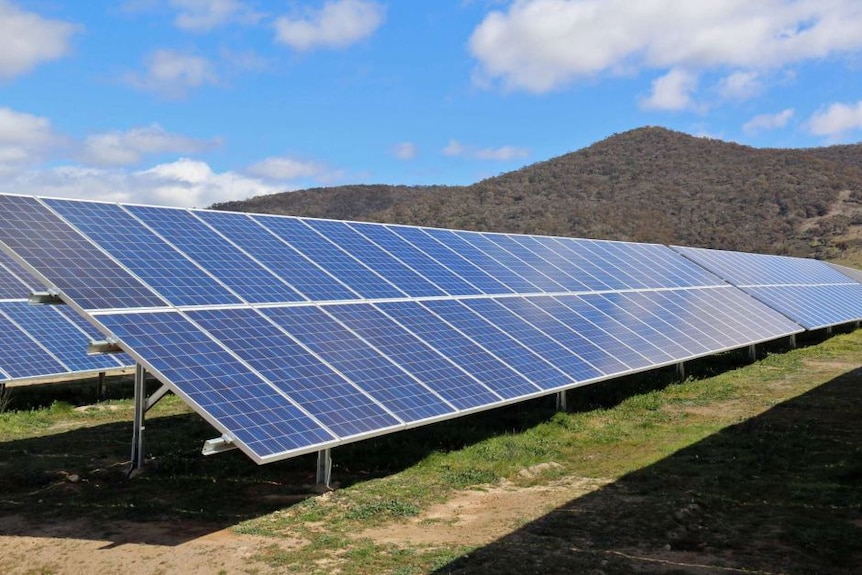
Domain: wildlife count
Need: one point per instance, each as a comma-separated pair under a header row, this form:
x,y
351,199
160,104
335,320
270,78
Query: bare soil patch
x,y
477,517
84,547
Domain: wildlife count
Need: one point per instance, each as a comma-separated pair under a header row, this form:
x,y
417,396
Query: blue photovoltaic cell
x,y
814,306
21,356
416,259
810,292
852,273
219,257
314,386
501,264
246,406
742,269
456,242
57,335
424,240
501,343
521,260
90,333
360,363
10,266
574,277
459,349
651,310
596,274
593,362
414,356
660,267
375,258
149,257
600,343
294,268
65,257
555,352
12,279
607,317
330,257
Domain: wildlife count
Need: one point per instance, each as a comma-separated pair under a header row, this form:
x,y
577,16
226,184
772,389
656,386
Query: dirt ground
x,y
83,547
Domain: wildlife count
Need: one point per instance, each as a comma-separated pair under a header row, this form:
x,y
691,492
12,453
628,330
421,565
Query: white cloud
x,y
130,147
740,86
541,45
405,150
172,74
836,120
673,91
27,39
204,15
768,121
285,168
339,23
504,153
185,182
25,139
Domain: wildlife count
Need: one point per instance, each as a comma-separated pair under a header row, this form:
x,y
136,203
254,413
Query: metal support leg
x,y
752,352
138,423
561,401
324,467
793,341
103,388
680,370
829,331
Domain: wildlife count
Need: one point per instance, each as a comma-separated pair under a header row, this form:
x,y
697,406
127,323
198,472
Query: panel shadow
x,y
779,493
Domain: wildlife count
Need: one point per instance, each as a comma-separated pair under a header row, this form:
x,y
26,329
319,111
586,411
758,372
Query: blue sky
x,y
190,102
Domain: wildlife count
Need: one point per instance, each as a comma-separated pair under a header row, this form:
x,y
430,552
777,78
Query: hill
x,y
648,185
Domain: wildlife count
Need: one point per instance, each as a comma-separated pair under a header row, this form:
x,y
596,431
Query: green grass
x,y
755,466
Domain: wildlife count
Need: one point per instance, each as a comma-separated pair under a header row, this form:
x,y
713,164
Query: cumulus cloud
x,y
132,146
286,168
172,74
405,150
673,91
184,183
27,40
25,139
541,45
768,121
504,153
339,23
836,120
740,86
205,15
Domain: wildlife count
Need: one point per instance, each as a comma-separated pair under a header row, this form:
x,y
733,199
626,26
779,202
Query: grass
x,y
754,467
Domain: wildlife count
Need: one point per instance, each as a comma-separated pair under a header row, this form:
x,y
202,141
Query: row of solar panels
x,y
292,335
39,343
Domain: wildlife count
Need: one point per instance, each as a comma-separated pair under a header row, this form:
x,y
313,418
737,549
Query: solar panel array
x,y
42,342
292,335
812,293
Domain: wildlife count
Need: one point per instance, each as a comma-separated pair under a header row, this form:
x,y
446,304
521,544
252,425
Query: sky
x,y
191,102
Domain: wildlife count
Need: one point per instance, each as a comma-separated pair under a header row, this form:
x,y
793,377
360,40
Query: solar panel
x,y
853,274
370,328
41,342
810,292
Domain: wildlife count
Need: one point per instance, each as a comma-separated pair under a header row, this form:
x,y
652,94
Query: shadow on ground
x,y
779,493
73,484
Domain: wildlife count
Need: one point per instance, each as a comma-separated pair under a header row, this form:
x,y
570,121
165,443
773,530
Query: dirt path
x,y
477,517
83,548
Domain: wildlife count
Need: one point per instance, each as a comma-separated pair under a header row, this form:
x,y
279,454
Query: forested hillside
x,y
649,184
